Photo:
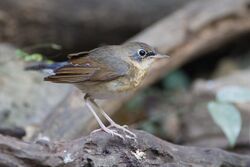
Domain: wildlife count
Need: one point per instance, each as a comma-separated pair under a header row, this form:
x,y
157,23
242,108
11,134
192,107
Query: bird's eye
x,y
142,52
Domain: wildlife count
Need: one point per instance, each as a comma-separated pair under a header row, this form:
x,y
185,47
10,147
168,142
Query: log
x,y
195,29
78,25
101,149
198,28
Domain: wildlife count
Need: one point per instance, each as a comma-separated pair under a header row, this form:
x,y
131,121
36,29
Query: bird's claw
x,y
132,138
125,130
100,129
96,130
113,132
125,126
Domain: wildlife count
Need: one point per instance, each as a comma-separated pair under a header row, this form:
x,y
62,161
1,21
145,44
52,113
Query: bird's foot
x,y
129,134
112,132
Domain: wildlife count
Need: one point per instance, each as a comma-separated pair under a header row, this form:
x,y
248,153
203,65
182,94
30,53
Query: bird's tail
x,y
47,68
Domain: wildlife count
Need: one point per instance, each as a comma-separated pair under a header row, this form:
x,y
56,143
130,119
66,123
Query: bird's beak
x,y
160,56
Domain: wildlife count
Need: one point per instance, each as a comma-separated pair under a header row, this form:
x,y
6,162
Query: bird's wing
x,y
85,66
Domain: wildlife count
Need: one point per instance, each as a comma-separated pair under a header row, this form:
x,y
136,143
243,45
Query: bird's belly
x,y
112,89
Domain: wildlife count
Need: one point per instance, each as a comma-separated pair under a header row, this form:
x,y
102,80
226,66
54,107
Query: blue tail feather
x,y
46,68
43,66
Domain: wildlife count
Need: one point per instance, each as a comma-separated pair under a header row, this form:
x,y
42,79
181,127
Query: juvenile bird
x,y
105,72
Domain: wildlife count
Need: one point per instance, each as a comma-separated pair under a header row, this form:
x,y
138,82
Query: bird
x,y
105,72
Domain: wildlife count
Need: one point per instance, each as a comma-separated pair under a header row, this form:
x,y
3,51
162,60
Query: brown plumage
x,y
108,70
91,67
105,72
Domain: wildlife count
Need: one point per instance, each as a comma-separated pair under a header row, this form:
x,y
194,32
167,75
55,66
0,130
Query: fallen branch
x,y
196,29
101,149
66,22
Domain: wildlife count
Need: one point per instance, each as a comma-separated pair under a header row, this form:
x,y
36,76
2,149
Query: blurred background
x,y
209,45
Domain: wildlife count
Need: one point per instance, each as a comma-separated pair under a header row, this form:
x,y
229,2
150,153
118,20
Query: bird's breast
x,y
119,87
127,83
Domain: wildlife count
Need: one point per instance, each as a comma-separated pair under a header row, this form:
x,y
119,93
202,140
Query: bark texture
x,y
101,149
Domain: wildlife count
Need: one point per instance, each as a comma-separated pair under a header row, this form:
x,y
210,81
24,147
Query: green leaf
x,y
234,94
36,57
21,53
228,118
29,57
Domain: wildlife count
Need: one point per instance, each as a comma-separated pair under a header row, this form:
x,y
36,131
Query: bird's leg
x,y
88,102
112,123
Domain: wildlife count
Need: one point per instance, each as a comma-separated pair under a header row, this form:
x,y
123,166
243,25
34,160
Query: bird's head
x,y
142,54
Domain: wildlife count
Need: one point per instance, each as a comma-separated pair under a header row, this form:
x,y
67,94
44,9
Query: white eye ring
x,y
142,52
